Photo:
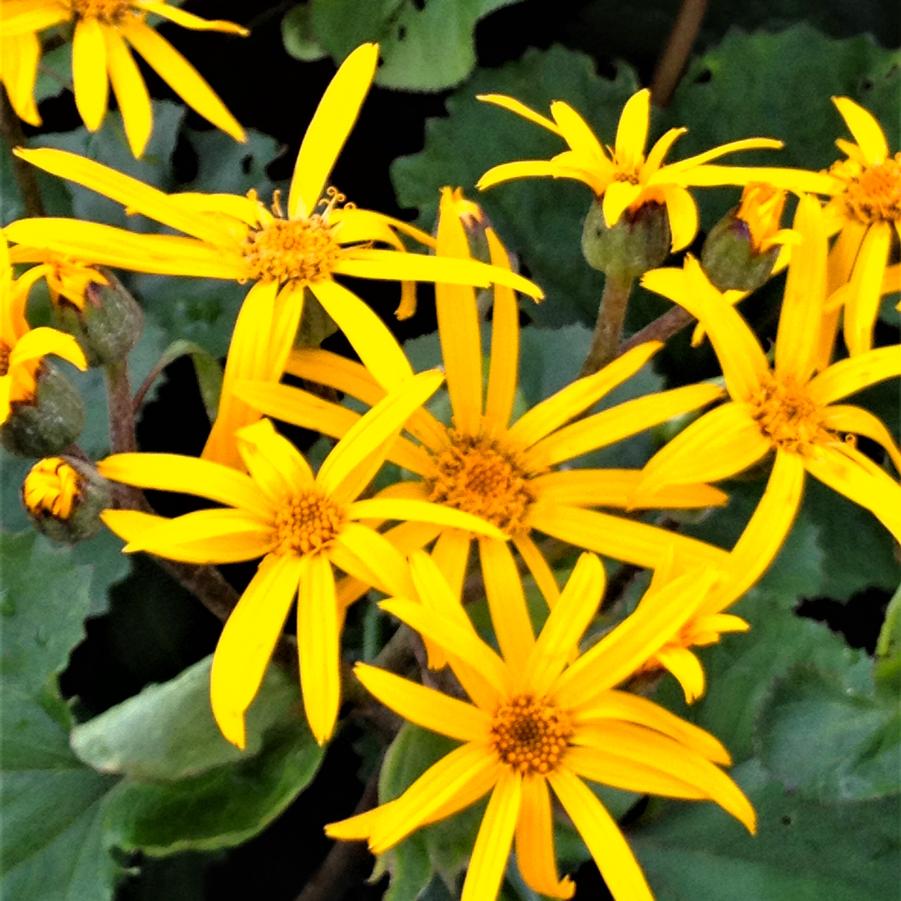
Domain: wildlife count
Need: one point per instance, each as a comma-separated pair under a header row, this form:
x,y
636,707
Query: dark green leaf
x,y
887,671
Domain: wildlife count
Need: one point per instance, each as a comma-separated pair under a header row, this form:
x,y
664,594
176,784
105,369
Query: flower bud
x,y
105,319
64,498
47,422
638,242
741,249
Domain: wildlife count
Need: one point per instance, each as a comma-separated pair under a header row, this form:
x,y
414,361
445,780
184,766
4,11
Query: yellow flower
x,y
21,347
510,471
538,721
104,31
51,488
761,211
786,408
19,59
866,209
234,237
624,178
66,277
301,526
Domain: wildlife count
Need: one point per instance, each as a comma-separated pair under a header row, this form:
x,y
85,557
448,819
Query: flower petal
x,y
277,468
866,130
90,82
248,641
424,511
618,197
520,109
130,90
685,667
632,130
865,289
383,565
539,568
854,374
189,20
535,854
682,214
857,421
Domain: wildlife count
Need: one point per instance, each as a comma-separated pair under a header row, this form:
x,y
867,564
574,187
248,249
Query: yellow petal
x,y
450,779
579,395
570,617
248,641
866,130
856,420
618,197
535,854
530,169
492,847
657,153
373,558
425,706
90,81
632,708
632,130
318,645
276,467
620,538
682,214
451,556
189,20
182,77
797,340
602,429
520,109
687,670
21,57
602,837
131,92
506,603
849,472
174,472
329,129
722,443
682,167
865,290
854,374
576,132
539,569
424,511
43,341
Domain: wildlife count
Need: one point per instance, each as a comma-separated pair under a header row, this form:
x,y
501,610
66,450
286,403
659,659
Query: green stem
x,y
25,173
121,410
609,325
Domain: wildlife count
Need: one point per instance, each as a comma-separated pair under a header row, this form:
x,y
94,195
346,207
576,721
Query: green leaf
x,y
887,671
298,37
856,734
539,219
802,850
425,46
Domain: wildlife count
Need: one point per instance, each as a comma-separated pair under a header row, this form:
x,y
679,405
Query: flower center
x,y
787,416
476,475
109,12
4,358
307,522
288,249
873,193
530,735
50,488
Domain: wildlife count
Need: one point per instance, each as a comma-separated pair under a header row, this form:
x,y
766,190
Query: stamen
x,y
109,12
872,193
787,416
477,475
530,735
307,522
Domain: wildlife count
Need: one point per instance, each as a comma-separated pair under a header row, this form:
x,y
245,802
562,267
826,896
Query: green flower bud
x,y
49,421
638,242
64,498
107,323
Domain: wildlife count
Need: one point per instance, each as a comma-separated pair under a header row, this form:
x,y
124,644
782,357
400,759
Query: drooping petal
x,y
520,109
44,341
601,835
247,643
568,620
722,443
618,197
174,472
682,214
865,290
130,90
331,126
182,77
857,421
622,539
685,667
535,854
579,395
866,130
318,645
425,706
356,458
90,82
492,847
847,471
532,169
506,603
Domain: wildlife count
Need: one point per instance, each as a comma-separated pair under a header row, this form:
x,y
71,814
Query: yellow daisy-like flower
x,y
51,488
66,277
21,347
510,471
625,178
538,721
785,409
104,33
865,209
301,525
283,252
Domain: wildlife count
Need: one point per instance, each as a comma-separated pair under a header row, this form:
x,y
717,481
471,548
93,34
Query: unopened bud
x,y
638,242
741,249
47,422
64,498
106,323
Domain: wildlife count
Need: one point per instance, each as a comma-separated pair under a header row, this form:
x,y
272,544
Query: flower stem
x,y
121,410
661,329
25,174
609,325
678,49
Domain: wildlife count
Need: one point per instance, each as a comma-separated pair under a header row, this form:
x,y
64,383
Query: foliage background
x,y
115,781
